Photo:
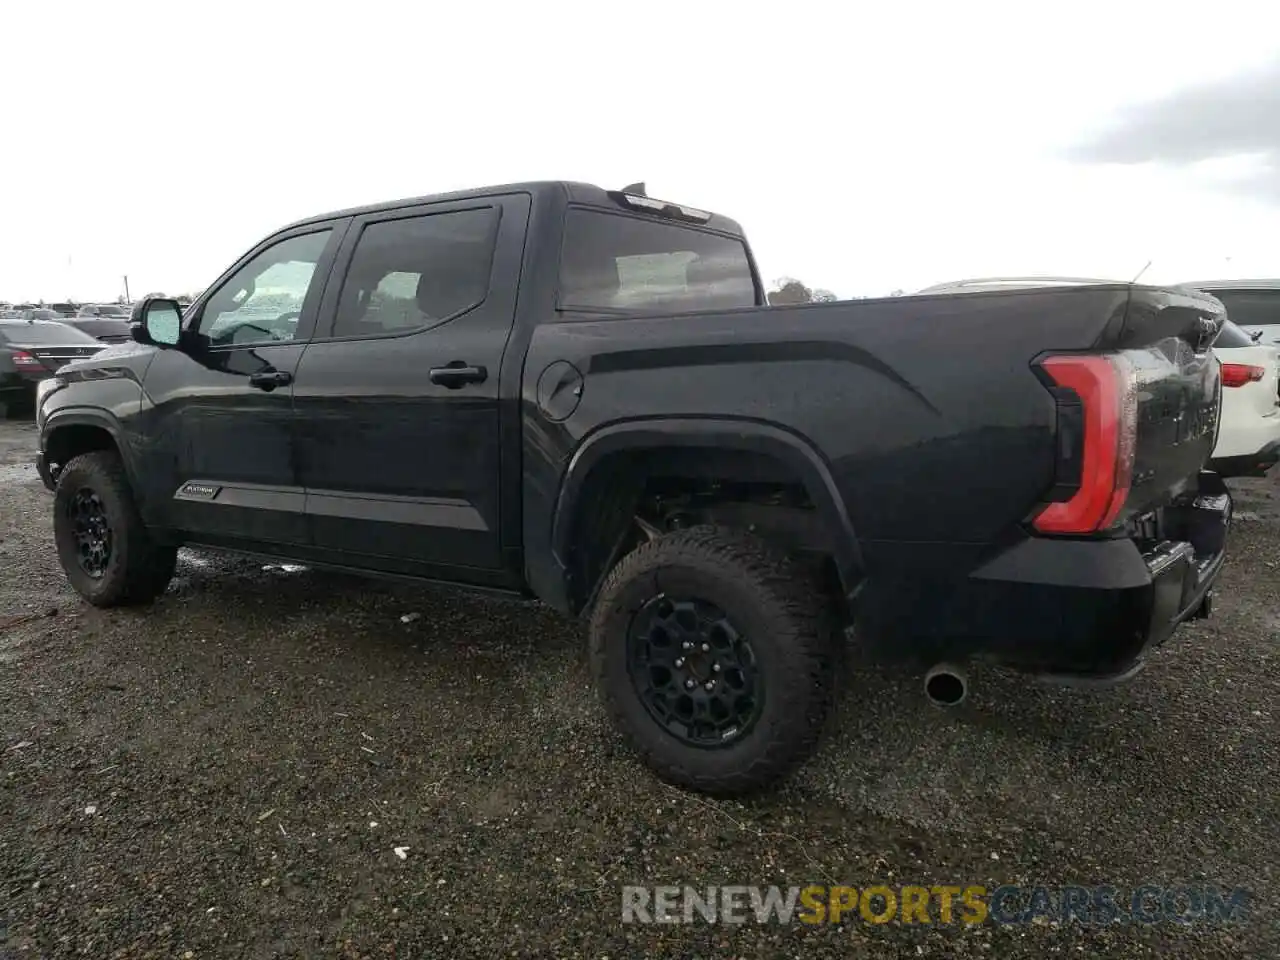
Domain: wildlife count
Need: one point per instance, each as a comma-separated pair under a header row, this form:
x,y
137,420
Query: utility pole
x,y
126,289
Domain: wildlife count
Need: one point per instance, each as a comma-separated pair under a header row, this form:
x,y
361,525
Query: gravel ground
x,y
227,774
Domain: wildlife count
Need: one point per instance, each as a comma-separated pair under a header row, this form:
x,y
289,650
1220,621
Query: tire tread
x,y
796,618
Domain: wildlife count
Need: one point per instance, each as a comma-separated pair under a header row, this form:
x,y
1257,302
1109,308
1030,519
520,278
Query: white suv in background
x,y
1249,422
1248,348
1252,305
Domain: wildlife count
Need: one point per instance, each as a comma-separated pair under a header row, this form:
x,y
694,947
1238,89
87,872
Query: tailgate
x,y
1137,415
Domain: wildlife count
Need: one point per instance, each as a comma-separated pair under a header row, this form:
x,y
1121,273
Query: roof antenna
x,y
635,189
1140,272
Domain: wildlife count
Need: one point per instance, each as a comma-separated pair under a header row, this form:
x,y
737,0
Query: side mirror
x,y
156,321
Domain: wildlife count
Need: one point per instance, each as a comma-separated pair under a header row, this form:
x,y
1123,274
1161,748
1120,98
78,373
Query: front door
x,y
220,450
397,398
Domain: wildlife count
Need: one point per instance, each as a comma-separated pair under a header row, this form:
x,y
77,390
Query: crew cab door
x,y
219,422
398,397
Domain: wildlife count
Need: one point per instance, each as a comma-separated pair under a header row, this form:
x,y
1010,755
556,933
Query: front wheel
x,y
714,659
106,550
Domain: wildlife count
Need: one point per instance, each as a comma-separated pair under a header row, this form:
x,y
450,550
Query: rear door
x,y
397,398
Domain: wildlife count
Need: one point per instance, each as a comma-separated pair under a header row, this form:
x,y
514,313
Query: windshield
x,y
58,334
625,263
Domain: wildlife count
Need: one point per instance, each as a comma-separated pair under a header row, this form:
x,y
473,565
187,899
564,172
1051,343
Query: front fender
x,y
62,418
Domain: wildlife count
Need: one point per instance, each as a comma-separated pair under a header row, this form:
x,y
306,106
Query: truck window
x,y
262,300
619,262
416,272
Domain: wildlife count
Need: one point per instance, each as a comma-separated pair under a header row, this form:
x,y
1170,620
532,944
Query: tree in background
x,y
790,290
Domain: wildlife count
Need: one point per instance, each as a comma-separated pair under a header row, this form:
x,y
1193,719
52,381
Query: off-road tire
x,y
138,569
774,602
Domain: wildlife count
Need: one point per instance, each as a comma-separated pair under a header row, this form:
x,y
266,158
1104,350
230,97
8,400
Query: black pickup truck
x,y
580,395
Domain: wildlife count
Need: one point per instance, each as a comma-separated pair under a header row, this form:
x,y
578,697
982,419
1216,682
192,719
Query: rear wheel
x,y
107,552
714,659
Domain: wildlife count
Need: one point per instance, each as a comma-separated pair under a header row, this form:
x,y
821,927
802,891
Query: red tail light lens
x,y
1106,386
23,359
1239,374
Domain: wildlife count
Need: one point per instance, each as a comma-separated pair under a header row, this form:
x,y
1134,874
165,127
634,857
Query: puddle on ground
x,y
18,472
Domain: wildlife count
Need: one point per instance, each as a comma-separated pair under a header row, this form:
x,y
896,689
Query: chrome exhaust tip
x,y
946,685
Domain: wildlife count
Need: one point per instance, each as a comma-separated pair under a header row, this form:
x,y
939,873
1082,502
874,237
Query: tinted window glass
x,y
1232,336
416,272
1250,308
617,262
44,333
263,299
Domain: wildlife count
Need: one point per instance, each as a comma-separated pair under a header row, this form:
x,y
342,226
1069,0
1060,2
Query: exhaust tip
x,y
946,685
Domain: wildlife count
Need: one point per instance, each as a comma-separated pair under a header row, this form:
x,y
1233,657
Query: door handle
x,y
270,379
457,374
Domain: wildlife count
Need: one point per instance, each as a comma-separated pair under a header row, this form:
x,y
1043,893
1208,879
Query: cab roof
x,y
564,191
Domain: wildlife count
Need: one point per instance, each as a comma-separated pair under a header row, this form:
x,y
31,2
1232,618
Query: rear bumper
x,y
1075,611
1248,465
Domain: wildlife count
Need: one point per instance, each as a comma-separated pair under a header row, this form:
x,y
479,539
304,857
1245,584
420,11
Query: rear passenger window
x,y
416,272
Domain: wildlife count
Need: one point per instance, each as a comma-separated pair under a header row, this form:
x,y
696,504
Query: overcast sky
x,y
863,151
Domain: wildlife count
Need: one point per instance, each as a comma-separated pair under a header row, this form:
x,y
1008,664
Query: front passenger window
x,y
262,301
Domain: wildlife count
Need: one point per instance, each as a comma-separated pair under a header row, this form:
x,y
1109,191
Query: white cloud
x,y
863,149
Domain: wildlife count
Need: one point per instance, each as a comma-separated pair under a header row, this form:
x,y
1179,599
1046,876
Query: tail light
x,y
1240,374
23,359
1097,438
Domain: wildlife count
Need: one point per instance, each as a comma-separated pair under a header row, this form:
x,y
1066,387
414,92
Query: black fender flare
x,y
89,417
743,434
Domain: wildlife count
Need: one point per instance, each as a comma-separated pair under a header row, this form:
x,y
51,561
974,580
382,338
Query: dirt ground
x,y
229,772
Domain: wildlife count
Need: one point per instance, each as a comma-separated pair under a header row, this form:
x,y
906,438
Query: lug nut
x,y
689,684
679,662
715,668
687,645
709,686
706,648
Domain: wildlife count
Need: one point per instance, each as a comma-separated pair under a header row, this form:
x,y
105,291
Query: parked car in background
x,y
31,351
1253,305
111,310
108,322
41,313
106,329
64,309
1248,442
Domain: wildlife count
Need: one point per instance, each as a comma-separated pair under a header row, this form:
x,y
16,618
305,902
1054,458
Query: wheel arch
x,y
610,466
67,435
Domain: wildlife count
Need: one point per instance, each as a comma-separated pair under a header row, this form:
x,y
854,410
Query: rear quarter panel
x,y
925,409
